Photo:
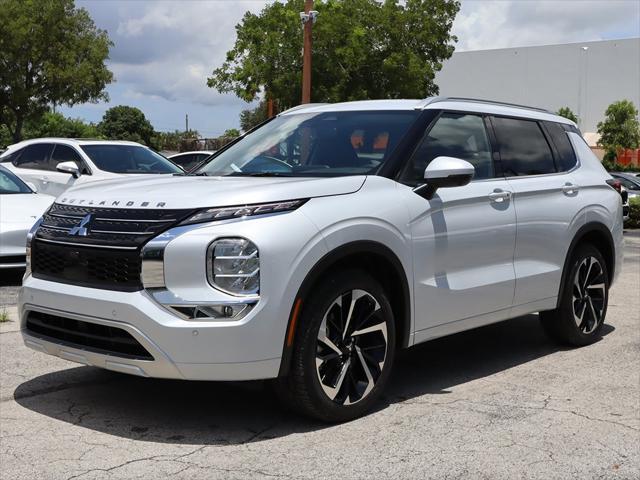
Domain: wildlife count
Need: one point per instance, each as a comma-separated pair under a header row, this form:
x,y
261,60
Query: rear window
x,y
128,159
523,147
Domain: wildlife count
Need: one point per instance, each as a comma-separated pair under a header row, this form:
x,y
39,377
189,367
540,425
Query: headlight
x,y
225,213
233,266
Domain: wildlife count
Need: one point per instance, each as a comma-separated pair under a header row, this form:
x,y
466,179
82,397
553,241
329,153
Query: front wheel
x,y
344,349
583,302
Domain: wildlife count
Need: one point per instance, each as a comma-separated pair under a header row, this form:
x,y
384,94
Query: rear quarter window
x,y
566,156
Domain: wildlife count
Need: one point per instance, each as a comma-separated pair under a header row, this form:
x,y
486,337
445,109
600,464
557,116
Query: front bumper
x,y
181,349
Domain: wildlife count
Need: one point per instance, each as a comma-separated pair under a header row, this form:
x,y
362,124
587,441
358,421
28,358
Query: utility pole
x,y
308,18
186,123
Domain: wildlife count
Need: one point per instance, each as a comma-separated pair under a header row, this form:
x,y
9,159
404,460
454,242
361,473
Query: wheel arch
x,y
379,261
598,235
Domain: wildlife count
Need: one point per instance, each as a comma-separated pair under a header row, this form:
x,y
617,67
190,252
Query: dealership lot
x,y
496,402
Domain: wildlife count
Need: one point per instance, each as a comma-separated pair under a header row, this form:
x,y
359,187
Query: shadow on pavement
x,y
215,413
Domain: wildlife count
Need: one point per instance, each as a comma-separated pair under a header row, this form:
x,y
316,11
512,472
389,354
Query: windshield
x,y
315,144
9,183
128,159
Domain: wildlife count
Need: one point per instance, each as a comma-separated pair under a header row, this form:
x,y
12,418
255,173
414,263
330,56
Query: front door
x,y
464,237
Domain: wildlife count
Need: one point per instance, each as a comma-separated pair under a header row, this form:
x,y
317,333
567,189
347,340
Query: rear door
x,y
32,165
537,158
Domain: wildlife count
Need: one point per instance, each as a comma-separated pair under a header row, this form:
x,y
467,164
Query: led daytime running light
x,y
225,213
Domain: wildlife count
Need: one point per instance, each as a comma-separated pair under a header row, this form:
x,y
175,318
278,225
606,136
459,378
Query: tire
x,y
583,302
332,386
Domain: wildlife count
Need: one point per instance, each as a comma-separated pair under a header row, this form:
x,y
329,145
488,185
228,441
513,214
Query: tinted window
x,y
627,183
64,153
523,148
315,144
128,159
189,161
566,155
35,156
9,183
10,157
453,135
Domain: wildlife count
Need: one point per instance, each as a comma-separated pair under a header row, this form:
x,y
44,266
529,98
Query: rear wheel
x,y
583,303
344,348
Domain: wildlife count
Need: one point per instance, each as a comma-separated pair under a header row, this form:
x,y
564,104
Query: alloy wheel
x,y
351,347
589,295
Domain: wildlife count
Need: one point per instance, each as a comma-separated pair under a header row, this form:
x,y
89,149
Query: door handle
x,y
570,188
499,196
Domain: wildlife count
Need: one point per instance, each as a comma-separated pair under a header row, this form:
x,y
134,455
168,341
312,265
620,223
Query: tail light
x,y
615,184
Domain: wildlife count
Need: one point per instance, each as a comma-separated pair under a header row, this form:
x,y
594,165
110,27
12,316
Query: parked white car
x,y
321,243
189,160
53,165
20,207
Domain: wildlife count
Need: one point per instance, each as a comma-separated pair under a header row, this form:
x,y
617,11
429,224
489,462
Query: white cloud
x,y
485,24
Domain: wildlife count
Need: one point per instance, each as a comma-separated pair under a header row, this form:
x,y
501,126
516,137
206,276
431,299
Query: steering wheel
x,y
264,163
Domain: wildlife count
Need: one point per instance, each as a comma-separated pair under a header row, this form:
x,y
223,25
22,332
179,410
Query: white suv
x,y
53,165
313,248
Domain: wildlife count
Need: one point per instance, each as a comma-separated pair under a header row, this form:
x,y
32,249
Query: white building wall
x,y
586,77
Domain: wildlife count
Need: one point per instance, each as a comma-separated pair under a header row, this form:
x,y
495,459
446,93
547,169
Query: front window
x,y
315,144
128,159
9,183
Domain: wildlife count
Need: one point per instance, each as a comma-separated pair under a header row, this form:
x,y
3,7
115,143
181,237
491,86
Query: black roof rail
x,y
488,102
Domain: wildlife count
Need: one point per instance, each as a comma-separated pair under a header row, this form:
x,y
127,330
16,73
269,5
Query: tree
x,y
620,129
231,133
566,112
126,123
50,53
57,125
363,49
253,116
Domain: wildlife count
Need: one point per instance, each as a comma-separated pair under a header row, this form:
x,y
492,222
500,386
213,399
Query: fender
x,y
586,229
332,258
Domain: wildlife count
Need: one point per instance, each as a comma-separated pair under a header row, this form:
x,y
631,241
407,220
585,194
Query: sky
x,y
165,49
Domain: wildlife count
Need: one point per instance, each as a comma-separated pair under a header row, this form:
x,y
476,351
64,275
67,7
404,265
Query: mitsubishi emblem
x,y
81,229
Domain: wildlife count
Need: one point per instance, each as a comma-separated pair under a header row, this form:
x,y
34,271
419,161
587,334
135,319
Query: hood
x,y
159,191
23,208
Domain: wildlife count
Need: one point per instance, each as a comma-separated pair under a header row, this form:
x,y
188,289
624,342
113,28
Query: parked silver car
x,y
20,207
314,248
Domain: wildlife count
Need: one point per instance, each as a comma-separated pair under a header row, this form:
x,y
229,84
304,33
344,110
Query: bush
x,y
616,167
634,213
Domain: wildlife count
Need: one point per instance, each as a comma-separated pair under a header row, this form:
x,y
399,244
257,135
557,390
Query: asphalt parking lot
x,y
497,402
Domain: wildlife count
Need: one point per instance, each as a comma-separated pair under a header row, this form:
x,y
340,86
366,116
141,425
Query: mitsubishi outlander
x,y
313,248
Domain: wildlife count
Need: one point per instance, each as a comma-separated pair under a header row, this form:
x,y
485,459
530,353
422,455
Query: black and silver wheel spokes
x,y
351,347
589,295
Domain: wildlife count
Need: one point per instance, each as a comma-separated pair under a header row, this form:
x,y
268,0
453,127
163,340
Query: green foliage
x,y
612,166
126,123
620,128
173,141
566,112
50,53
231,133
57,125
634,213
5,137
362,49
253,116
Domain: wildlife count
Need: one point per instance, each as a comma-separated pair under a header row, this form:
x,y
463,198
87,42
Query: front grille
x,y
108,256
86,266
88,336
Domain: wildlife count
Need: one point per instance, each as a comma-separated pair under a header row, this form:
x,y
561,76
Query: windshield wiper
x,y
260,174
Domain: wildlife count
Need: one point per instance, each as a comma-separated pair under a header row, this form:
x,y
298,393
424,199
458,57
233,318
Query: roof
x,y
74,141
446,103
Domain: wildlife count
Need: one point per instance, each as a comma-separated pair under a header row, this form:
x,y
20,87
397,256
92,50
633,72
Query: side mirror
x,y
444,172
69,167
